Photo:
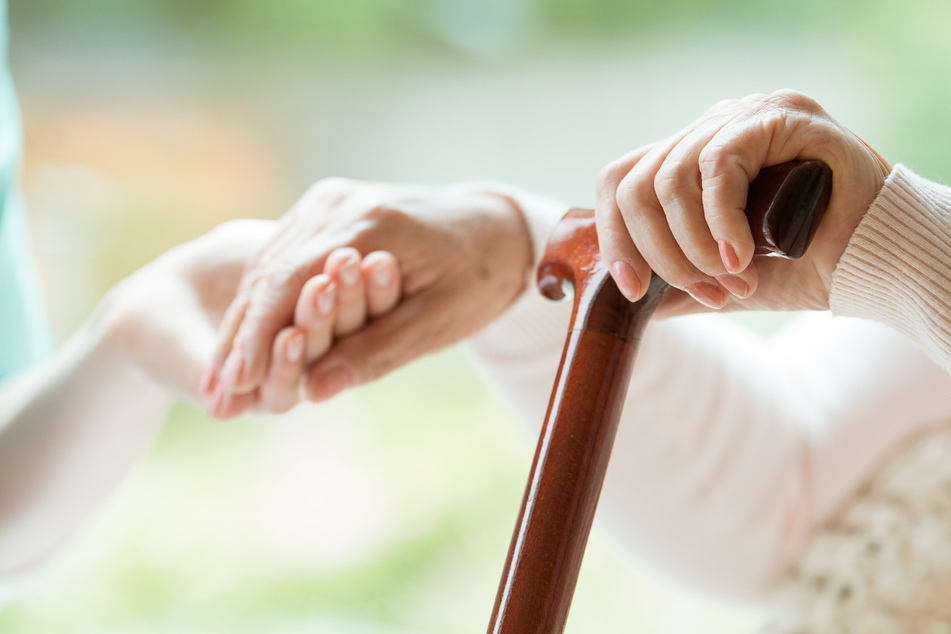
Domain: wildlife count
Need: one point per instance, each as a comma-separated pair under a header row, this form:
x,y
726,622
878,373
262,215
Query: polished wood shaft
x,y
785,205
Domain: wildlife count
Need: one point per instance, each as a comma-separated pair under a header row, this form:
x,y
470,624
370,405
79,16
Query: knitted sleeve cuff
x,y
897,266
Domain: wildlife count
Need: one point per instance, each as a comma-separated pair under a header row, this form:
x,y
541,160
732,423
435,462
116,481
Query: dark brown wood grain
x,y
785,205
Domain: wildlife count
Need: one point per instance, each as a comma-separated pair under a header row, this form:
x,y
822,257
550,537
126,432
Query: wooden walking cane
x,y
784,206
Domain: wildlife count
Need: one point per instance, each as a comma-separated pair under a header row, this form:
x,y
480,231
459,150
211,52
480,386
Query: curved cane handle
x,y
784,205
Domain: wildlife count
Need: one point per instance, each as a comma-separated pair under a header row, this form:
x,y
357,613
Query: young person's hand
x,y
677,206
464,256
73,424
163,319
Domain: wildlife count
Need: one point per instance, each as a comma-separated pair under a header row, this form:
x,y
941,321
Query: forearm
x,y
70,428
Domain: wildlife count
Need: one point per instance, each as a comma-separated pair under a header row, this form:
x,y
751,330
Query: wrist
x,y
538,215
859,176
116,335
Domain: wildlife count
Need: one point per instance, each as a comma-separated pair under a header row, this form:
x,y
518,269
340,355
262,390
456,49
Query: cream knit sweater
x,y
897,268
754,479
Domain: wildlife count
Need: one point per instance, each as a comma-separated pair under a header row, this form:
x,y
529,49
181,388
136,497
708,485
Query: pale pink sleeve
x,y
897,267
732,450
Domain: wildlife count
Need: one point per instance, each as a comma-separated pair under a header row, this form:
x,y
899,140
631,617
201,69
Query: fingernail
x,y
706,294
231,373
295,348
627,280
330,383
735,285
728,255
382,273
350,270
325,299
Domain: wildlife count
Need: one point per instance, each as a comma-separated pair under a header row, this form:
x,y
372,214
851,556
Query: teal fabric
x,y
24,336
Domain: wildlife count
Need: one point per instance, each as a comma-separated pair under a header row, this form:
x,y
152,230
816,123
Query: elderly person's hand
x,y
463,253
677,206
163,319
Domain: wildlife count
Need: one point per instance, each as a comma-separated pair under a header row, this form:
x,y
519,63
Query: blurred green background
x,y
388,510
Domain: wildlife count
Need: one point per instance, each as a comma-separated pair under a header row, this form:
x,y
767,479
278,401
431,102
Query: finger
x,y
227,331
383,345
618,250
275,281
740,285
647,224
766,133
315,313
222,405
343,266
234,318
677,185
280,390
676,303
381,278
272,299
629,270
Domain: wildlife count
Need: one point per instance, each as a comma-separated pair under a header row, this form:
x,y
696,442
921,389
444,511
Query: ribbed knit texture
x,y
897,267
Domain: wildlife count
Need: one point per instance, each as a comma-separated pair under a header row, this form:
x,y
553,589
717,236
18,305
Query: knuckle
x,y
711,162
787,99
634,195
609,176
672,182
387,219
385,213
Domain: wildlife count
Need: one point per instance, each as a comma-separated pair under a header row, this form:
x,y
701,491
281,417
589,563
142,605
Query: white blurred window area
x,y
390,509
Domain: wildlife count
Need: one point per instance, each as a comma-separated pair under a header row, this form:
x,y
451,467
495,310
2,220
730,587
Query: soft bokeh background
x,y
390,509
